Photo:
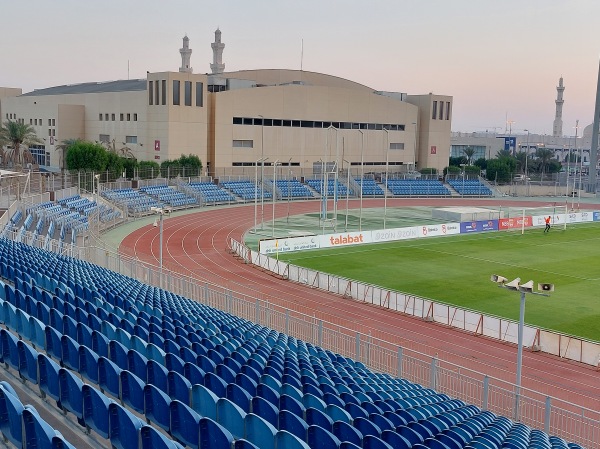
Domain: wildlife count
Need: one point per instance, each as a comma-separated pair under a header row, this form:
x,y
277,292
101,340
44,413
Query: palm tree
x,y
17,134
544,156
63,147
469,152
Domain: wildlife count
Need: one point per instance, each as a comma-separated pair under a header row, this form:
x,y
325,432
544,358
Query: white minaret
x,y
186,53
217,65
557,127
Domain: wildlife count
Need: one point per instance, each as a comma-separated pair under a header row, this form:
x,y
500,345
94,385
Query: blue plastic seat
x,y
265,410
124,427
132,390
294,424
70,393
48,377
156,406
108,376
28,366
345,432
10,354
184,423
178,387
150,438
11,411
213,435
95,410
285,440
259,432
322,438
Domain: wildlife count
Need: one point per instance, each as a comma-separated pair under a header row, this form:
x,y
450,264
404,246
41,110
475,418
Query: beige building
x,y
232,120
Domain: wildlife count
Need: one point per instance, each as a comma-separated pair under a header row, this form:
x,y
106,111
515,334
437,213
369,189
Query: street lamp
x,y
256,191
523,289
463,166
160,211
387,164
289,188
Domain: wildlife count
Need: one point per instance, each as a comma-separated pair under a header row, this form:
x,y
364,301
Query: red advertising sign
x,y
157,157
514,223
157,145
433,149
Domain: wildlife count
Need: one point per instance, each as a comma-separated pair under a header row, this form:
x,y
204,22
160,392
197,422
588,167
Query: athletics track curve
x,y
196,245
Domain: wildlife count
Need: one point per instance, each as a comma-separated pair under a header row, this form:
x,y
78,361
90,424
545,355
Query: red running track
x,y
196,244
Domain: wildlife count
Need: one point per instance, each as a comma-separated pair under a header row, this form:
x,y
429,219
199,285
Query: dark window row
x,y
314,124
267,164
156,91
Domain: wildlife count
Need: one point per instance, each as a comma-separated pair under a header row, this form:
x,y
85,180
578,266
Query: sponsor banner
x,y
478,226
344,239
596,215
387,235
586,216
435,230
450,228
288,244
555,219
514,223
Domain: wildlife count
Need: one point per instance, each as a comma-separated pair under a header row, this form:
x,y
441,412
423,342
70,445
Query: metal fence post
x,y
257,319
320,334
547,413
486,393
433,374
399,361
287,321
358,346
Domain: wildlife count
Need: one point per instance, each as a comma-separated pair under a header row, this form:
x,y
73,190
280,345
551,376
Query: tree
x,y
456,161
499,170
469,152
83,155
481,163
148,169
18,134
114,164
62,148
544,156
129,166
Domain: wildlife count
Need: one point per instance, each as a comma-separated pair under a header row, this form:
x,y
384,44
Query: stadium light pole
x,y
362,175
256,192
262,171
160,211
275,164
387,165
289,188
347,195
523,289
526,158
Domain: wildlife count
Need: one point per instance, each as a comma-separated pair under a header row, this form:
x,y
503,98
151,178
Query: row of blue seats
x,y
339,391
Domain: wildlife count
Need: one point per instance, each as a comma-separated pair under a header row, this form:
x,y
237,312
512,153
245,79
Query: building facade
x,y
232,120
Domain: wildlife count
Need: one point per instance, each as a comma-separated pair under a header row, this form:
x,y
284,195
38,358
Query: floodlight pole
x,y
347,194
362,176
275,164
387,164
256,192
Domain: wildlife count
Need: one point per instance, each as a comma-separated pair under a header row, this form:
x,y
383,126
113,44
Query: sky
x,y
501,61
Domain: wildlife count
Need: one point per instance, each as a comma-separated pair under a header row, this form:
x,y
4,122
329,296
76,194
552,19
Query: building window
x,y
131,139
187,93
238,121
164,92
397,146
112,117
150,91
31,121
121,116
53,122
106,117
434,110
441,116
199,94
243,144
135,116
49,132
128,117
447,110
104,138
49,122
53,133
156,89
100,117
35,122
176,91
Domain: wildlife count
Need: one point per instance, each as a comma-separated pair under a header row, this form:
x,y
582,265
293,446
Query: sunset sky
x,y
498,60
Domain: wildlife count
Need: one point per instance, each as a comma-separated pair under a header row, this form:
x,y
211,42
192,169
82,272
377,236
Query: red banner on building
x,y
515,222
433,149
157,145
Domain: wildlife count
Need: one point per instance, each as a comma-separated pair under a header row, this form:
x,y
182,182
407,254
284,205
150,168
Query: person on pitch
x,y
547,220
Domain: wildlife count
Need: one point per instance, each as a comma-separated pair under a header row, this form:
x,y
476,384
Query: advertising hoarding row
x,y
284,245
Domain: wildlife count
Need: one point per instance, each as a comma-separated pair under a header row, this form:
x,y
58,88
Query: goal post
x,y
529,217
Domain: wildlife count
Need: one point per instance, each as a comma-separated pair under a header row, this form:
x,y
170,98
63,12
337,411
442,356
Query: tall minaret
x,y
217,46
557,127
186,53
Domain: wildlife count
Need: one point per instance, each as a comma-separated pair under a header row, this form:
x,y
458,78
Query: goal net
x,y
521,218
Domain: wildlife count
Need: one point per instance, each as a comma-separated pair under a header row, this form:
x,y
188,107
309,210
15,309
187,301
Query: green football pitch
x,y
456,270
